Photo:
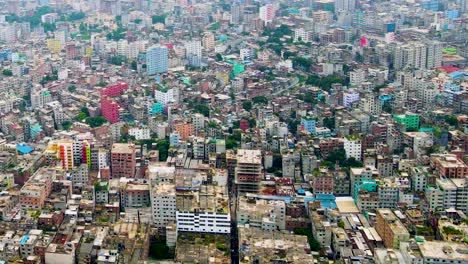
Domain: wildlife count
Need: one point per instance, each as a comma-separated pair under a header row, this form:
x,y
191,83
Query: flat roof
x,y
444,250
346,205
123,148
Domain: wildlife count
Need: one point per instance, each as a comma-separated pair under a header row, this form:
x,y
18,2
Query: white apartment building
x,y
434,252
245,54
350,97
204,222
166,96
103,158
80,175
140,133
388,192
300,34
203,209
419,178
198,121
443,196
163,204
357,77
352,147
193,48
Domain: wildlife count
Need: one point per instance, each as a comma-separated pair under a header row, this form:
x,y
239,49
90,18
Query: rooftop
x,y
444,250
249,156
123,148
270,246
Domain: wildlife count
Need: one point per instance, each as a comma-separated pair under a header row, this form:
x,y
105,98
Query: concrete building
x,y
123,160
248,172
419,178
390,229
205,210
449,166
157,60
35,191
267,13
433,252
352,146
163,204
268,215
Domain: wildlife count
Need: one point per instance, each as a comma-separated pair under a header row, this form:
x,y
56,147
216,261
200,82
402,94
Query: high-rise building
x,y
208,40
112,7
345,5
418,55
123,160
109,109
390,229
62,150
267,13
157,60
434,54
235,14
193,47
248,172
352,147
163,204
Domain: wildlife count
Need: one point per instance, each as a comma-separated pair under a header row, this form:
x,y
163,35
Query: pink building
x,y
267,13
244,124
109,109
114,89
36,190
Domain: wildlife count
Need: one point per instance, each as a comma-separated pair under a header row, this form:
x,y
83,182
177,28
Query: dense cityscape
x,y
233,131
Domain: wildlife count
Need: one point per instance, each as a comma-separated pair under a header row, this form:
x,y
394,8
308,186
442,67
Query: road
x,y
294,83
233,208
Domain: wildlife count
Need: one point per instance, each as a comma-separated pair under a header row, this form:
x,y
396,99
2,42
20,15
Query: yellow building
x,y
88,52
62,150
54,45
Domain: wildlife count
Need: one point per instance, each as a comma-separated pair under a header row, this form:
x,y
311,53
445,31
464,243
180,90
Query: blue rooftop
x,y
24,149
326,200
24,239
457,74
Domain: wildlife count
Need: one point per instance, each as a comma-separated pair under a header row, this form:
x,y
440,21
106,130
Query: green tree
x,y
252,123
202,109
85,110
96,121
101,84
48,27
313,243
163,148
247,105
260,100
292,126
159,250
302,63
337,155
7,72
451,120
134,65
277,161
75,16
72,88
158,19
329,122
219,57
67,125
118,60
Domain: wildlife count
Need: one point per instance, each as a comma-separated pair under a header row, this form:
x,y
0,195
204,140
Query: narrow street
x,y
233,208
